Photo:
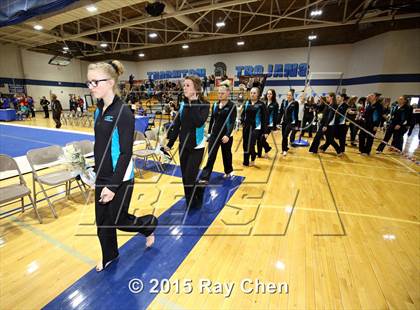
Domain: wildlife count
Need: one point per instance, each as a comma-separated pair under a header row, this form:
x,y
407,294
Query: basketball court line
x,y
403,164
348,174
356,164
50,129
379,217
56,243
334,203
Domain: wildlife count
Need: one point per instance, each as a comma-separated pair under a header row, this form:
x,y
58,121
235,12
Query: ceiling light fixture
x,y
153,35
316,13
240,43
38,27
91,8
185,46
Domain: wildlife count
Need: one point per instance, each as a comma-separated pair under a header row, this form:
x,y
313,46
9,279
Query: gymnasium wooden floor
x,y
343,233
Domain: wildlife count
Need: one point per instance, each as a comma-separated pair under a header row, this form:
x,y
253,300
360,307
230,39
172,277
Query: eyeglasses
x,y
94,83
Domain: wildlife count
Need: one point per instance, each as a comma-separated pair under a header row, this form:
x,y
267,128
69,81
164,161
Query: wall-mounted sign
x,y
16,89
273,70
175,74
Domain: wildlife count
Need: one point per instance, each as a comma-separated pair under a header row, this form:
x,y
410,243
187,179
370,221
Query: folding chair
x,y
145,154
49,157
10,193
152,117
152,137
167,127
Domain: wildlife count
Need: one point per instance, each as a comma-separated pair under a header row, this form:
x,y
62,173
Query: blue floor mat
x,y
17,141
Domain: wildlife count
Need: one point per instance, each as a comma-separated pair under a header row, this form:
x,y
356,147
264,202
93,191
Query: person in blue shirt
x,y
31,105
5,103
114,167
16,102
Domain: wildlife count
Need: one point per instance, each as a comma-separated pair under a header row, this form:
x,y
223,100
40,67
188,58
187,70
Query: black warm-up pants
x,y
114,215
213,147
250,136
190,160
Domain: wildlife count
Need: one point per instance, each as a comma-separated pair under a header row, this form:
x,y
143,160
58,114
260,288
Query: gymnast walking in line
x,y
189,126
114,132
222,123
254,120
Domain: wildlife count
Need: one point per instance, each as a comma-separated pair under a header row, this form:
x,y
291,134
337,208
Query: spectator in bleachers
x,y
16,102
22,112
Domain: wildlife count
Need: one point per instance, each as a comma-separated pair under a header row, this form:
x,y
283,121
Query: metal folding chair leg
x,y
48,200
157,162
173,157
81,189
35,208
139,170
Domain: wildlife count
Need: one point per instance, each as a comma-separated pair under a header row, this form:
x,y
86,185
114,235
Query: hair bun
x,y
118,66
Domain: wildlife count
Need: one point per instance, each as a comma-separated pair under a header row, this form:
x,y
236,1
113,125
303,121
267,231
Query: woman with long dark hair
x,y
189,126
272,117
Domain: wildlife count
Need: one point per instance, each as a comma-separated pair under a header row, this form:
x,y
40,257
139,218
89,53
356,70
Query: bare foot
x,y
150,240
99,266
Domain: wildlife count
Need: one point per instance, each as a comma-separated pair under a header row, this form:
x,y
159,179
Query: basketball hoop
x,y
59,61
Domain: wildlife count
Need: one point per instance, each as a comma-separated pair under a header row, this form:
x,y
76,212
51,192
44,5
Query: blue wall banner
x,y
273,70
175,74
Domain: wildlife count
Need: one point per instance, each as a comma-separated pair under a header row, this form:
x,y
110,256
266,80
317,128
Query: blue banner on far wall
x,y
175,74
273,70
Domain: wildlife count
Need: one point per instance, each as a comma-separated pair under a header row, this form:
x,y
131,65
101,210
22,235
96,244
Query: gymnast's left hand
x,y
106,195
